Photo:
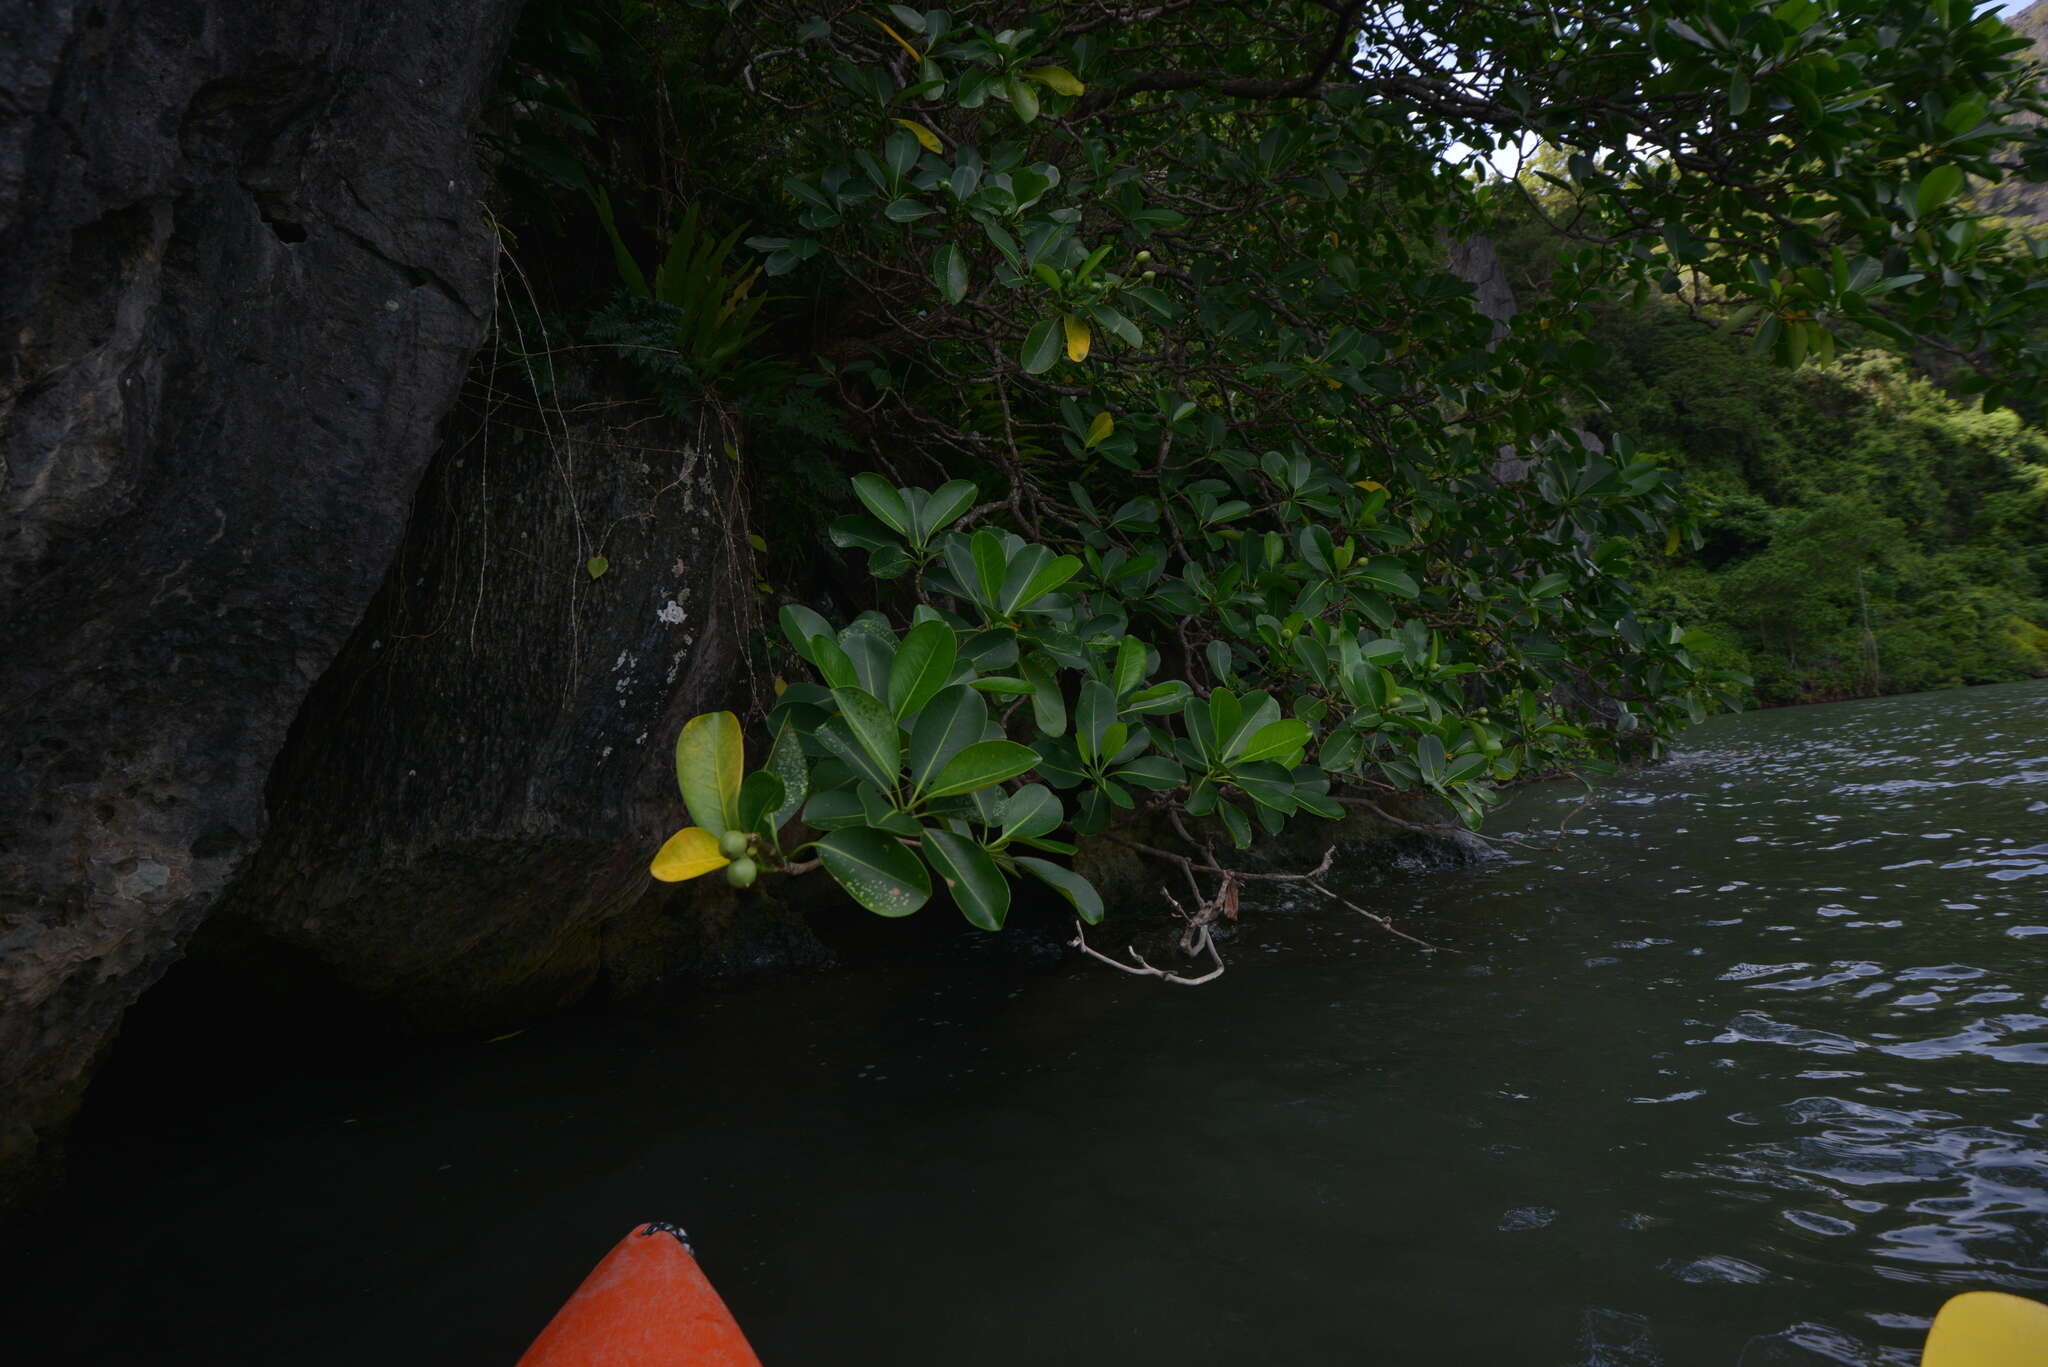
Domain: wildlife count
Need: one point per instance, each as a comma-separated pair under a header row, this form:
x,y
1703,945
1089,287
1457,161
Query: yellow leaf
x,y
1058,78
1369,485
688,853
915,55
1671,542
781,685
710,754
739,292
1078,337
925,137
1099,430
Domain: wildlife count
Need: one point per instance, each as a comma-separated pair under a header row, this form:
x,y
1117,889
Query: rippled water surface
x,y
1750,1068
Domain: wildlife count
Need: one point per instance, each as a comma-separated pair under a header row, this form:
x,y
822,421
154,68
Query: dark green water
x,y
1751,1070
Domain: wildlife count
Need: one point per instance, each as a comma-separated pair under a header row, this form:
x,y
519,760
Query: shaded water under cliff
x,y
1751,1068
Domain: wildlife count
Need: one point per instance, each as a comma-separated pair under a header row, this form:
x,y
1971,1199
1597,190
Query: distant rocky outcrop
x,y
246,268
2017,198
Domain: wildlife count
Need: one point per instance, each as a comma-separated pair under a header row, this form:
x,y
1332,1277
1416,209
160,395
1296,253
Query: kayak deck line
x,y
647,1304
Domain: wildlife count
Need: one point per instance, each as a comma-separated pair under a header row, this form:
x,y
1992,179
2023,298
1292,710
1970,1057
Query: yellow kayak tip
x,y
1988,1329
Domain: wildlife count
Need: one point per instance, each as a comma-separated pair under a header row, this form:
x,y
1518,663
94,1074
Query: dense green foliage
x,y
1155,299
1861,531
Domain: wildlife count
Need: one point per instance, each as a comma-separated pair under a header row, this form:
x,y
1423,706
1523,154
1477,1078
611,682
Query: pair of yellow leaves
x,y
711,757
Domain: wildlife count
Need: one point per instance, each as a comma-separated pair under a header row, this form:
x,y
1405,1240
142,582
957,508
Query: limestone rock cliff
x,y
245,271
462,819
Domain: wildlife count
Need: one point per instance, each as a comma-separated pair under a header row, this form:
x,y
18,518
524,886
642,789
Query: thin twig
x,y
1146,970
1382,922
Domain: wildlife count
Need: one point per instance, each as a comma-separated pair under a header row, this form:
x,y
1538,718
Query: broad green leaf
x,y
838,736
1965,114
761,794
1099,429
877,870
1130,665
832,662
1022,98
1271,788
1031,811
832,811
1429,758
1160,699
1034,573
978,886
871,647
1078,891
1318,549
954,719
1093,714
686,854
1257,710
800,625
710,753
596,566
786,762
949,272
1122,328
947,502
875,728
997,683
1153,771
1041,347
883,501
981,764
1225,716
1048,706
989,564
1937,188
883,814
1276,741
923,664
856,529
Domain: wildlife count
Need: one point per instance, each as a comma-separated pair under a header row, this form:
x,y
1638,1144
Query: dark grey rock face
x,y
243,267
463,818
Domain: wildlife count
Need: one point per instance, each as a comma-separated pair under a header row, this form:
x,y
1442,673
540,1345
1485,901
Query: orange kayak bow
x,y
647,1304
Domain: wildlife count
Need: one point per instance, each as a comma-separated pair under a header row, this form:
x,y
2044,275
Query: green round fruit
x,y
732,844
1149,276
741,872
1143,257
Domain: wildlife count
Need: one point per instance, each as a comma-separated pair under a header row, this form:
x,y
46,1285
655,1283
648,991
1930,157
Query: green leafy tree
x,y
1235,506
